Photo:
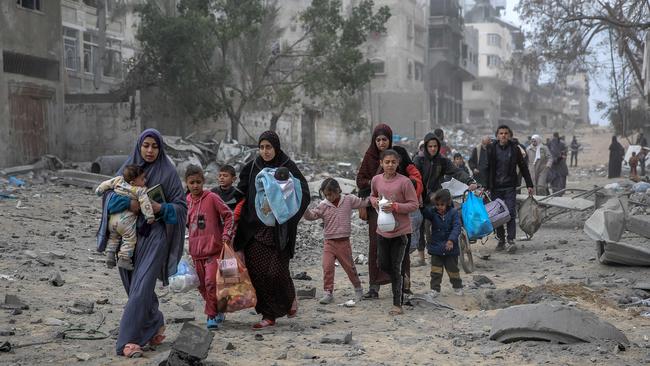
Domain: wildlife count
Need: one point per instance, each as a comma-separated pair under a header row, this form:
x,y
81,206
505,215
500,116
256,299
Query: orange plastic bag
x,y
235,291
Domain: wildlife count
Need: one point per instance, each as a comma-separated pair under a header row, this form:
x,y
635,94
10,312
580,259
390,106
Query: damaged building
x,y
31,88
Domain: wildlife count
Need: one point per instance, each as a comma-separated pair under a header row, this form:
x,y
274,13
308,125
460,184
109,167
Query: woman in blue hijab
x,y
159,247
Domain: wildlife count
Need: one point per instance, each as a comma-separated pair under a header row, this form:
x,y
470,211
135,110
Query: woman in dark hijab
x,y
616,156
268,249
382,139
158,250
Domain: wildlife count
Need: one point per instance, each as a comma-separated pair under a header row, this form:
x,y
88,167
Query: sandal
x,y
264,324
159,337
132,350
294,309
396,311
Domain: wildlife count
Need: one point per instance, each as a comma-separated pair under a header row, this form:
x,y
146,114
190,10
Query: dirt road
x,y
58,224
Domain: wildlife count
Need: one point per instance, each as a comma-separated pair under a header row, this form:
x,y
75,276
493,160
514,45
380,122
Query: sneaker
x,y
328,298
125,263
212,323
511,247
433,294
358,294
110,259
501,245
459,291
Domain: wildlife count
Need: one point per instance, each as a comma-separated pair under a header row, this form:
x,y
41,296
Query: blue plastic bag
x,y
475,218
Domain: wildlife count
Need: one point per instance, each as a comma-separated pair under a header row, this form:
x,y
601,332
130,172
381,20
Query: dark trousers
x,y
449,264
574,155
425,234
509,196
390,253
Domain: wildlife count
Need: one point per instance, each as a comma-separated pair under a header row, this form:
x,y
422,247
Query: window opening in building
x,y
71,48
493,61
90,50
29,4
378,66
477,86
494,39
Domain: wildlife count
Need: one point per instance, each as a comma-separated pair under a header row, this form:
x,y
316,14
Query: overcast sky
x,y
598,86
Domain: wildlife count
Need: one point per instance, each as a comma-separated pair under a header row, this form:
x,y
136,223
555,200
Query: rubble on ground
x,y
552,323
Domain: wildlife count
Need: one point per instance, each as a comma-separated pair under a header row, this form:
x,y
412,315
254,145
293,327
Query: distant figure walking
x,y
575,147
559,170
616,156
641,140
539,163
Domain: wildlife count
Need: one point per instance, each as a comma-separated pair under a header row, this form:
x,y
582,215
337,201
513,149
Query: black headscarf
x,y
274,140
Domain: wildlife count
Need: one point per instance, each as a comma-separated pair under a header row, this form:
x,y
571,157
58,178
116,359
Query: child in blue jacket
x,y
444,248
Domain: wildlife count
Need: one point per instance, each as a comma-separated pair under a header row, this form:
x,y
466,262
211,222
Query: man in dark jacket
x,y
504,157
433,167
478,161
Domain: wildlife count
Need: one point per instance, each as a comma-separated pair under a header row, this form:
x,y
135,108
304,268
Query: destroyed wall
x,y
312,133
99,124
31,91
159,112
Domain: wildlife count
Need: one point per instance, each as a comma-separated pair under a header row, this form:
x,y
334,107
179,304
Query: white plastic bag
x,y
385,220
185,278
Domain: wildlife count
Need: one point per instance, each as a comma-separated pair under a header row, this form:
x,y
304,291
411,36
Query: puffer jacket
x,y
443,228
434,168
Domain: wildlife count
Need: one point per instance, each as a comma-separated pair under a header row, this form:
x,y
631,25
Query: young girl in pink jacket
x,y
336,212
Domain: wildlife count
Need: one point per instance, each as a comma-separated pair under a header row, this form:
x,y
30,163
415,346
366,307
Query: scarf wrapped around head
x,y
538,148
370,163
274,140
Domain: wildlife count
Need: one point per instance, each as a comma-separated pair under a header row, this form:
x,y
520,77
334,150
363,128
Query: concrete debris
x,y
176,318
108,164
481,280
81,307
631,254
46,162
308,293
608,222
81,179
569,203
553,323
56,279
639,225
13,302
191,346
422,301
361,259
54,322
82,356
338,338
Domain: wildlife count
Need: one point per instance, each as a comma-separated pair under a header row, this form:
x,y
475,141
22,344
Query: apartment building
x,y
31,90
500,93
452,61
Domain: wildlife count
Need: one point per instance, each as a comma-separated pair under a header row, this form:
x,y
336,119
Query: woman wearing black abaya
x,y
616,156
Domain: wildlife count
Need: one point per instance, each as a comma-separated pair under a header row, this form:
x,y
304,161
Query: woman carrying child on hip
x,y
210,224
336,212
443,247
391,245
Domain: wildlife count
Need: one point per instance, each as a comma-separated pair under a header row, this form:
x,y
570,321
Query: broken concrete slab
x,y
81,179
553,323
191,346
81,307
56,279
422,301
348,186
639,225
13,302
632,254
608,222
308,293
338,338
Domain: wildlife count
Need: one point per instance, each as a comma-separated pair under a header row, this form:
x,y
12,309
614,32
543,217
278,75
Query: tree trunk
x,y
234,128
274,121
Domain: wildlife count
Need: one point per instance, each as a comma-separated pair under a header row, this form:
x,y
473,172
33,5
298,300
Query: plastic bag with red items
x,y
234,292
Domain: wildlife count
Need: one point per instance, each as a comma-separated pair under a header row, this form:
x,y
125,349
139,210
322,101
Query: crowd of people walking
x,y
400,197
